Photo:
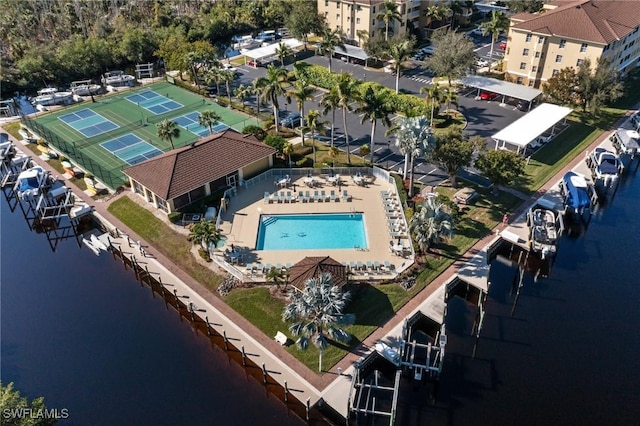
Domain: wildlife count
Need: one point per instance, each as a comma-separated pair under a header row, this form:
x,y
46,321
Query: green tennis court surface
x,y
119,130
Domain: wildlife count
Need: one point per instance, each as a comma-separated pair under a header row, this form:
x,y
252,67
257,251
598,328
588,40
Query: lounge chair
x,y
360,266
288,197
323,196
259,269
301,197
346,196
266,197
397,234
278,266
287,266
369,265
376,266
387,266
332,195
249,268
267,268
352,267
316,197
307,196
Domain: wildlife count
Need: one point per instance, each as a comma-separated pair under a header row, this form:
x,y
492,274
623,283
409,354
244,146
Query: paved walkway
x,y
281,365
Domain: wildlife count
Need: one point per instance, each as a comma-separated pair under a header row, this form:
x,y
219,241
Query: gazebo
x,y
313,267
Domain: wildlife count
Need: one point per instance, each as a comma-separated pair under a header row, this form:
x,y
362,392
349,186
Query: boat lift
x,y
423,347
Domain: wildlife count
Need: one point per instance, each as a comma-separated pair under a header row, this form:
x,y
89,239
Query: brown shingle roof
x,y
313,267
184,169
588,20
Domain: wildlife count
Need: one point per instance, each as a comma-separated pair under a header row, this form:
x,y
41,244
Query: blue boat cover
x,y
576,195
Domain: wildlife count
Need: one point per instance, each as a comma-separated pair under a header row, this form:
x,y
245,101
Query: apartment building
x,y
356,17
566,33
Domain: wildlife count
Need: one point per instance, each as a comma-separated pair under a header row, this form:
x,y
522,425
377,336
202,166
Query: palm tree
x,y
430,224
331,40
208,119
388,13
414,139
399,53
301,92
227,77
364,151
498,23
242,93
434,13
282,51
287,149
362,35
316,310
374,106
434,95
314,125
168,130
276,276
450,97
204,233
330,102
271,86
346,87
333,153
213,75
456,8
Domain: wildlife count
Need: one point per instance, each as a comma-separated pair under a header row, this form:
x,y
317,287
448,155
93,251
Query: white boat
x,y
30,182
606,165
627,141
85,88
543,231
97,243
118,79
91,246
50,96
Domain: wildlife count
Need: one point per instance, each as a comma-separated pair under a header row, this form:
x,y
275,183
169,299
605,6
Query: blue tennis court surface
x,y
88,123
154,102
131,149
190,122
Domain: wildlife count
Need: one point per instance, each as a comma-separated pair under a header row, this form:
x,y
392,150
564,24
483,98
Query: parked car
x,y
255,63
488,96
503,45
476,32
523,106
428,50
292,120
481,62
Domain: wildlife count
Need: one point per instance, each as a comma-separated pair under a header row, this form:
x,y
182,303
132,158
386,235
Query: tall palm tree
x,y
374,107
346,88
414,139
434,96
362,35
287,149
301,92
227,76
273,85
168,130
276,276
208,118
204,233
282,51
314,125
434,13
450,97
430,224
456,8
388,13
330,40
333,153
399,53
213,75
317,312
329,102
498,23
242,93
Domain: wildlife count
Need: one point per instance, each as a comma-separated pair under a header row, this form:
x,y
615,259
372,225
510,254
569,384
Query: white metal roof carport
x,y
501,87
270,50
529,127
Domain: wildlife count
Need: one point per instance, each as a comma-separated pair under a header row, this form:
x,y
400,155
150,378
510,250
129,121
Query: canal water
x,y
79,330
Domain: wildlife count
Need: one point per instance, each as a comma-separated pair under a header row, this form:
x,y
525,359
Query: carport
x,y
269,51
530,127
501,87
352,52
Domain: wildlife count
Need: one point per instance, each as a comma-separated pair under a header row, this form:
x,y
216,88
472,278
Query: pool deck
x,y
242,219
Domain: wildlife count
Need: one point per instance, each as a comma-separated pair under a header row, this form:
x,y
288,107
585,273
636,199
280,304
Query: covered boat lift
x,y
269,51
530,127
504,88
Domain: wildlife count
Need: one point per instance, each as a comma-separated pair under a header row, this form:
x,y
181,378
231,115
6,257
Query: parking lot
x,y
484,117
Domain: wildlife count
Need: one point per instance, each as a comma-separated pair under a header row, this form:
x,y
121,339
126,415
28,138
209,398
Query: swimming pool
x,y
311,231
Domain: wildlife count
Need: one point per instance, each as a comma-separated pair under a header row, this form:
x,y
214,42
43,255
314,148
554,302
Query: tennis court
x,y
154,102
190,122
131,149
88,122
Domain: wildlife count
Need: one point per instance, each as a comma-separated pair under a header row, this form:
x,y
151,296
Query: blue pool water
x,y
311,231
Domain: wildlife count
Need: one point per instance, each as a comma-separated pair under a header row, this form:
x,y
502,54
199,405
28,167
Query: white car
x,y
476,32
428,50
480,63
229,67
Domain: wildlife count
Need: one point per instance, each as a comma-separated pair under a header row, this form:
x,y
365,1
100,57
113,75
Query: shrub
x,y
305,162
204,254
174,217
276,142
254,130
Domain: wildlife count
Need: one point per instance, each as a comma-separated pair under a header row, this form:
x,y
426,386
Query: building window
x,y
326,14
348,18
530,83
373,10
563,43
520,80
525,52
540,39
523,65
554,73
534,68
326,3
337,16
583,47
162,205
537,55
337,4
357,20
580,62
359,8
558,58
373,34
137,188
373,23
528,39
